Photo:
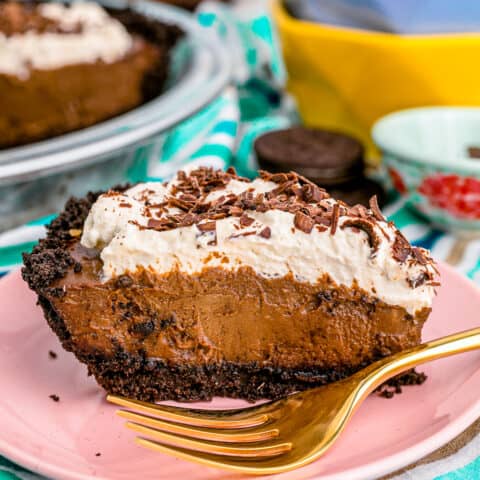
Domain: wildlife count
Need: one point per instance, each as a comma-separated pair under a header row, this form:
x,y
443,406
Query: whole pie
x,y
213,284
63,68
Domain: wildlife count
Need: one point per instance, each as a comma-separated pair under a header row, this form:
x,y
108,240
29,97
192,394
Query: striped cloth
x,y
221,135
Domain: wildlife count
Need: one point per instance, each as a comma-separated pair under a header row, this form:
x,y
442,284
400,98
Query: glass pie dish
x,y
36,179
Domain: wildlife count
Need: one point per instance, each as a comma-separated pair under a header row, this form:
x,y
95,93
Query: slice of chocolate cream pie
x,y
213,284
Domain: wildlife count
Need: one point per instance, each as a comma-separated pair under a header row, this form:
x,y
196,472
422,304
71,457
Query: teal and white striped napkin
x,y
222,134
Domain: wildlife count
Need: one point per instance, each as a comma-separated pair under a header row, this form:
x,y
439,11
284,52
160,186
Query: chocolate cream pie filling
x,y
213,284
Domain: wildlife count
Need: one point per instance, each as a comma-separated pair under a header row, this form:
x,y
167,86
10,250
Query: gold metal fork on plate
x,y
276,436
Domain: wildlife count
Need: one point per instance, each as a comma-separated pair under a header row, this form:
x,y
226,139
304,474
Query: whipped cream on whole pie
x,y
277,225
85,33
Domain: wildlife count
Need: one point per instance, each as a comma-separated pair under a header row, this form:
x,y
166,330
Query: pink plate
x,y
62,439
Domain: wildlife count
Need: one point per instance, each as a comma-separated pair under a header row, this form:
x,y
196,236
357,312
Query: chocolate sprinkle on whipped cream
x,y
278,224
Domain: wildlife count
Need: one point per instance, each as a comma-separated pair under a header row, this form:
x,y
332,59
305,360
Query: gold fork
x,y
277,436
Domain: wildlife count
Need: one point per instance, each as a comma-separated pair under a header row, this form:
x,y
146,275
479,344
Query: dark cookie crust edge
x,y
136,376
153,380
49,259
160,34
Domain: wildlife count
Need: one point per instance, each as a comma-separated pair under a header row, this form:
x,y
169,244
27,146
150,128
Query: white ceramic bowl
x,y
426,151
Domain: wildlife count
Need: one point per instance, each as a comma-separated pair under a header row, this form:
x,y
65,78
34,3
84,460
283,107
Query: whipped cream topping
x,y
90,35
267,241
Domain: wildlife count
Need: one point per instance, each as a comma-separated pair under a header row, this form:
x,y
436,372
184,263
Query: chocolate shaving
x,y
155,224
157,206
181,204
246,221
187,220
304,180
385,234
376,209
187,197
323,221
218,216
286,187
219,201
279,178
401,249
206,226
266,232
418,281
303,222
419,255
367,227
312,193
335,215
243,234
358,210
213,242
236,211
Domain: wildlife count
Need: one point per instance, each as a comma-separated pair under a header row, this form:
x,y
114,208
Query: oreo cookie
x,y
325,157
332,160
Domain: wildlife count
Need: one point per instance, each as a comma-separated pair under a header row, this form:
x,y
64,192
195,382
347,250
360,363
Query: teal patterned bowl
x,y
433,157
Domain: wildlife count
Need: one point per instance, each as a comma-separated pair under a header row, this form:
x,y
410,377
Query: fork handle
x,y
381,371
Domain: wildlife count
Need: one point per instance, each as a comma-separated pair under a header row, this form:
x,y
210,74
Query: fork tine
x,y
252,466
218,448
202,433
229,419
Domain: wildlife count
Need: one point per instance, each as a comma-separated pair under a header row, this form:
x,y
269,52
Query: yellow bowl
x,y
345,79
